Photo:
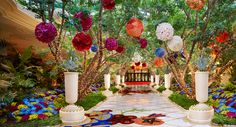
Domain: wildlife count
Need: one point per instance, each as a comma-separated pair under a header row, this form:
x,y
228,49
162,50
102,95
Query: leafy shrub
x,y
230,87
222,119
161,88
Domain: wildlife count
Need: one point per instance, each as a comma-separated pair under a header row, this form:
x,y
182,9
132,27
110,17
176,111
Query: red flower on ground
x,y
42,116
45,32
25,118
86,21
143,43
82,41
120,49
222,37
231,114
108,4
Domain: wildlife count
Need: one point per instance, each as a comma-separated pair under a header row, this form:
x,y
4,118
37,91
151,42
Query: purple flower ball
x,y
45,32
111,44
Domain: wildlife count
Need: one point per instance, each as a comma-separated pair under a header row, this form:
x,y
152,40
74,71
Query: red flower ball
x,y
143,43
111,44
144,64
137,64
134,27
196,4
42,116
25,118
158,62
86,21
108,4
120,49
222,37
82,41
45,32
133,67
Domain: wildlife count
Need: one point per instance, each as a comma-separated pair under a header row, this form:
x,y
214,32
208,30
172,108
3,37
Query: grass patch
x,y
91,100
161,88
114,89
182,100
221,119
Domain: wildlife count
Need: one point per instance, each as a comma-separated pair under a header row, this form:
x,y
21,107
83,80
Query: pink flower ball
x,y
45,32
143,43
111,44
86,21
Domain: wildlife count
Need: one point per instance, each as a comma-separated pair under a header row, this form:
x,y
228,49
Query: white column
x,y
107,80
167,80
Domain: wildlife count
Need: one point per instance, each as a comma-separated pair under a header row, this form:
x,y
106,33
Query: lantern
x,y
143,43
164,31
134,27
45,32
223,37
85,20
111,44
158,62
196,4
82,41
175,44
108,4
160,52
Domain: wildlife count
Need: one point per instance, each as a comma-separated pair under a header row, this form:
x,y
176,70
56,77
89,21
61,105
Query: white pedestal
x,y
167,92
107,80
107,93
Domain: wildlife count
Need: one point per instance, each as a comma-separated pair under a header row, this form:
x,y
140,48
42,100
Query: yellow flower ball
x,y
18,118
22,106
33,116
48,114
13,104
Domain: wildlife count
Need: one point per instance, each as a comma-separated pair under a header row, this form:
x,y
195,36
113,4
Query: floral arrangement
x,y
223,37
143,43
45,32
202,63
108,4
196,4
82,41
164,31
111,44
134,27
85,20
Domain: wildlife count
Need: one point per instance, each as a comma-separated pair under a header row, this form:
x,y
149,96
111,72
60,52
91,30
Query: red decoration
x,y
144,64
82,41
111,44
45,32
134,27
222,37
133,67
196,4
120,49
108,4
86,21
42,116
143,43
137,64
158,62
25,118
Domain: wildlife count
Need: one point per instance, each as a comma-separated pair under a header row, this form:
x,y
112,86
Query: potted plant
x,y
201,113
71,114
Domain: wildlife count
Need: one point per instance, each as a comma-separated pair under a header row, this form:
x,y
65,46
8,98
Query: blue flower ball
x,y
160,52
94,48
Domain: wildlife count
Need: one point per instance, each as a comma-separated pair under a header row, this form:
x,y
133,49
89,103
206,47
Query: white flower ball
x,y
164,31
175,44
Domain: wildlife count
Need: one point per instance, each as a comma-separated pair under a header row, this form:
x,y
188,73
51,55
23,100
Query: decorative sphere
x,y
45,32
120,49
144,64
195,4
143,43
82,41
108,4
158,62
111,44
137,64
134,27
164,32
94,48
86,21
160,52
175,44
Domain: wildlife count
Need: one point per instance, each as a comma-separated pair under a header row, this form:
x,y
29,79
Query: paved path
x,y
144,105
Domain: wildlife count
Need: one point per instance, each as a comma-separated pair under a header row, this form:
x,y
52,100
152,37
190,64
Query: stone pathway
x,y
144,105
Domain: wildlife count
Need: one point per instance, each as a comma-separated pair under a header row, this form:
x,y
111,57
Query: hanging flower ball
x,y
134,27
45,32
175,44
132,67
143,43
160,52
158,62
94,48
120,49
111,44
144,64
108,4
196,4
86,21
164,32
223,37
82,41
137,64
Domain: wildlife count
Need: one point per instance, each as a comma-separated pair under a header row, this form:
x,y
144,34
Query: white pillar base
x,y
118,87
200,113
72,115
167,92
107,93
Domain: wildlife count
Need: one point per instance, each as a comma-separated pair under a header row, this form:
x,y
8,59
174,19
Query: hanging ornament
x,y
143,43
45,32
164,31
134,27
82,41
160,52
94,48
120,49
85,20
108,4
196,4
175,44
158,62
223,37
137,64
111,44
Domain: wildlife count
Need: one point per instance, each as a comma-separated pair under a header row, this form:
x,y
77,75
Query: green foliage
x,y
230,87
223,120
182,100
161,88
114,89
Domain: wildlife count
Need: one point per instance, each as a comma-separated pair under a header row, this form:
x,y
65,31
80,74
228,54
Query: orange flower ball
x,y
158,62
195,4
134,27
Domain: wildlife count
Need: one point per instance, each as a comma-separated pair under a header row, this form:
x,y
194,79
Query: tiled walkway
x,y
144,105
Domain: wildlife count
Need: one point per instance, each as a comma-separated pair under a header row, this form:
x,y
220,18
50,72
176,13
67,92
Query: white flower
x,y
175,44
164,31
